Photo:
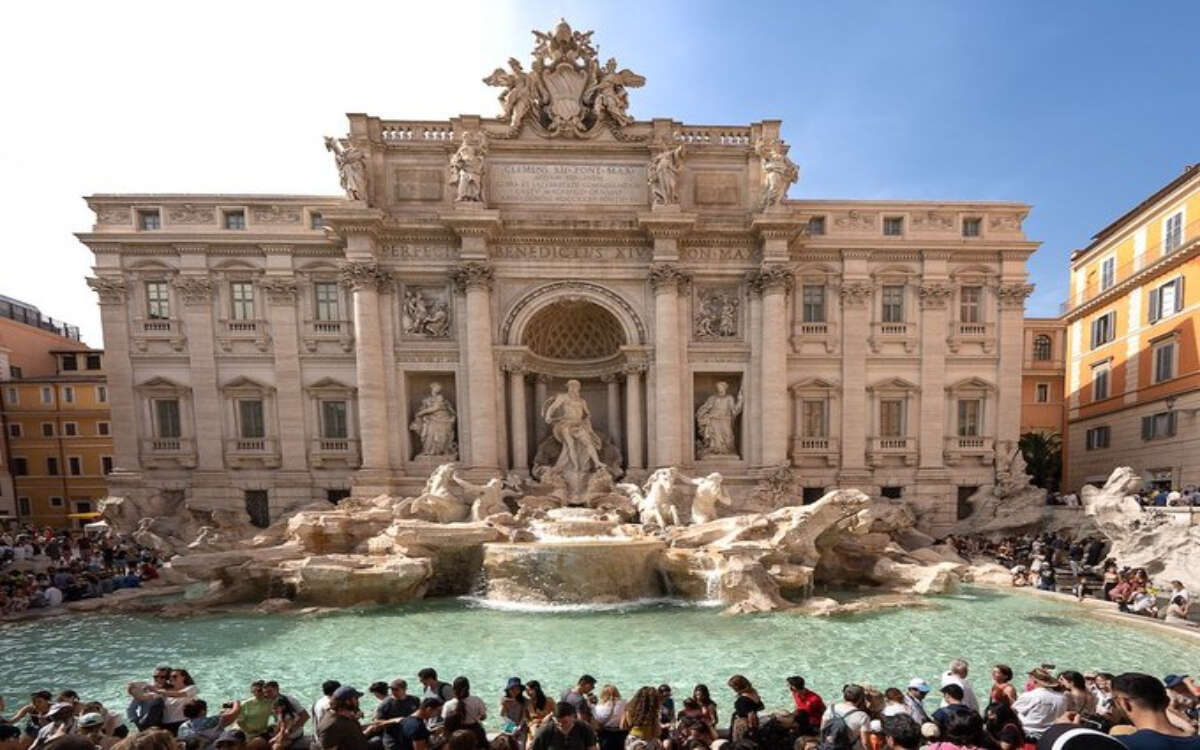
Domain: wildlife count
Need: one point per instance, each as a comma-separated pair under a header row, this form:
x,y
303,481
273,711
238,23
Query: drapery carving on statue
x,y
716,313
110,289
472,275
361,275
467,168
195,290
351,161
426,313
667,277
778,171
663,176
714,423
566,92
434,424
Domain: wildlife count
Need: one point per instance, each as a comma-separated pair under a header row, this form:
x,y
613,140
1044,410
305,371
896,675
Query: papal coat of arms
x,y
566,92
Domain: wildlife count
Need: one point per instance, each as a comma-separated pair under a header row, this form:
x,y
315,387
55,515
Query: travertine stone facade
x,y
869,343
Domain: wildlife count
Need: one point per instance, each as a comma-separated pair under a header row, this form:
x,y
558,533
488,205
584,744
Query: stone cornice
x,y
276,249
665,277
473,275
472,222
774,227
856,253
668,225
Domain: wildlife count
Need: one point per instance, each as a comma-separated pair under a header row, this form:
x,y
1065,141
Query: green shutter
x,y
1147,427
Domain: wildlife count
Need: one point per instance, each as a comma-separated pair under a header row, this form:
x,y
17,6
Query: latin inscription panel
x,y
567,184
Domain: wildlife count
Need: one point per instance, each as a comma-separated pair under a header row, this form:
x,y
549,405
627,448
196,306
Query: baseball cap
x,y
514,682
233,737
91,720
345,691
1173,680
917,683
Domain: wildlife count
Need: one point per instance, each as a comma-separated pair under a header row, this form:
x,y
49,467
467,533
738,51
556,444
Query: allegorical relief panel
x,y
716,313
426,313
418,184
568,184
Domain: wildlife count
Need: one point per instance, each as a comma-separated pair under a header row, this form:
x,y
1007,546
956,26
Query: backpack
x,y
836,733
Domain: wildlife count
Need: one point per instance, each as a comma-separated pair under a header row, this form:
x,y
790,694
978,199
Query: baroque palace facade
x,y
264,350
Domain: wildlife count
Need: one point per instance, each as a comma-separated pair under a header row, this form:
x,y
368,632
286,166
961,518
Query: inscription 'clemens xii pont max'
x,y
566,184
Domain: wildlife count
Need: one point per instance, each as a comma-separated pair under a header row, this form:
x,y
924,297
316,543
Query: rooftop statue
x,y
351,165
778,171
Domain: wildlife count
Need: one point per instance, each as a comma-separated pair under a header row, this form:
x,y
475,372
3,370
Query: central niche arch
x,y
550,296
573,330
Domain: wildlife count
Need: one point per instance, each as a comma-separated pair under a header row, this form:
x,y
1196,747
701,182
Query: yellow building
x,y
59,439
1133,378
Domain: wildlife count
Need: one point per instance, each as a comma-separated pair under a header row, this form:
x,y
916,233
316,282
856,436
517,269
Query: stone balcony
x,y
324,453
149,330
252,453
884,334
822,448
882,449
960,447
317,332
231,333
961,333
168,453
823,333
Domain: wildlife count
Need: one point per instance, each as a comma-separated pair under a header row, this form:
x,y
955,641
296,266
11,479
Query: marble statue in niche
x,y
467,166
434,424
426,313
571,424
714,420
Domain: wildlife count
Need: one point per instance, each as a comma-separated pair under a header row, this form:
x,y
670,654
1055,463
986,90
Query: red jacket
x,y
807,700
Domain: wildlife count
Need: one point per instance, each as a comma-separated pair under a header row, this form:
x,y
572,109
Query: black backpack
x,y
836,734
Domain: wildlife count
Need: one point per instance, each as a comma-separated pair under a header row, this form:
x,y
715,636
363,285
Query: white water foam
x,y
548,607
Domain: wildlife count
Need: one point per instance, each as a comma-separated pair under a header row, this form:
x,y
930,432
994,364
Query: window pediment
x,y
161,386
814,386
244,386
971,385
894,385
329,387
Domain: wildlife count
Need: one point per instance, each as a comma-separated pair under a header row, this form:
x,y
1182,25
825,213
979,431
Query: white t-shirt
x,y
54,597
969,699
473,707
1038,708
854,717
895,709
173,706
609,714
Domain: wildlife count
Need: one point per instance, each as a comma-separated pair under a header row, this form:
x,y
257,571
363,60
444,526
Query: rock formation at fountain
x,y
513,540
1158,539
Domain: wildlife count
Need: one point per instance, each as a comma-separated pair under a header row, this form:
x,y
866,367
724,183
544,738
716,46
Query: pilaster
x,y
281,292
365,279
668,283
934,297
1010,332
114,320
197,293
773,282
855,292
474,279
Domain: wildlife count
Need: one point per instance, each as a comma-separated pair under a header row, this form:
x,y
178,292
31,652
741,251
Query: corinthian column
x,y
773,283
518,425
668,283
474,279
633,416
365,279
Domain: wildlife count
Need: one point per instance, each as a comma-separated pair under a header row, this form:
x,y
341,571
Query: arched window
x,y
1041,347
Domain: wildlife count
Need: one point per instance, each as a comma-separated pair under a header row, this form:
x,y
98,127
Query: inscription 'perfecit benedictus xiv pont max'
x,y
267,351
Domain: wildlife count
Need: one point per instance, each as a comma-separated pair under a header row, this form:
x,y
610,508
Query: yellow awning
x,y
83,516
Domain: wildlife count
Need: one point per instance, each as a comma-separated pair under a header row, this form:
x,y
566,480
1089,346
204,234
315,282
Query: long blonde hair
x,y
609,694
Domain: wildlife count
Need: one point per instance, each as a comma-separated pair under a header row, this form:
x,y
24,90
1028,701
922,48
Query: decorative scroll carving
x,y
472,274
1013,295
935,295
716,313
566,93
359,275
778,171
665,276
771,277
857,221
856,293
1005,223
280,290
277,214
195,290
467,167
663,176
426,313
351,163
190,214
114,215
933,221
110,289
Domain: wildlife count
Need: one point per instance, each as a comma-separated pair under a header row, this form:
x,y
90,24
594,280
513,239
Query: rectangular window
x,y
52,466
74,465
69,362
1164,361
47,395
20,467
93,361
106,465
14,372
102,428
242,295
56,502
158,303
1097,437
1041,393
893,226
326,295
814,303
971,227
815,423
23,506
70,429
166,418
250,418
1100,382
816,226
891,417
149,219
969,414
893,304
1107,273
969,304
83,506
14,429
1157,426
1173,232
12,396
1104,328
315,220
333,420
102,394
1166,299
235,219
47,429
68,394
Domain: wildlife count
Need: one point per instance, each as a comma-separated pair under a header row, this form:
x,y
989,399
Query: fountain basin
x,y
573,572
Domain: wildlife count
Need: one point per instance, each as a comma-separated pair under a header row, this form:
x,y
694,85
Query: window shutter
x,y
1178,294
1153,312
1095,328
1171,422
1147,427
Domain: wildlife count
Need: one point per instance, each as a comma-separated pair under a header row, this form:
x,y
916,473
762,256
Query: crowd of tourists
x,y
1060,710
1154,497
45,568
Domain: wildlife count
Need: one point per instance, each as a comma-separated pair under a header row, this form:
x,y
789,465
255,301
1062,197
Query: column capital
x,y
473,274
935,294
362,275
195,290
666,277
856,293
1012,294
772,277
513,362
111,290
280,290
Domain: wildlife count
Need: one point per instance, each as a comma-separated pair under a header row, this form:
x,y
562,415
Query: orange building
x,y
1043,376
1133,377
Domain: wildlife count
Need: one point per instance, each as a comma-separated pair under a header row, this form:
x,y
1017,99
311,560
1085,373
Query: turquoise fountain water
x,y
628,646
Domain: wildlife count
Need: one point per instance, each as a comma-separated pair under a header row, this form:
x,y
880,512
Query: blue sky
x,y
1079,108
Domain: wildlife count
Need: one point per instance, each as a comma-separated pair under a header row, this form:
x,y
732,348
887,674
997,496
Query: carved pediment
x,y
814,384
161,384
971,384
894,384
329,386
246,385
